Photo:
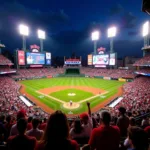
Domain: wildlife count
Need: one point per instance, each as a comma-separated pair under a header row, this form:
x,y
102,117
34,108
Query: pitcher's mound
x,y
73,106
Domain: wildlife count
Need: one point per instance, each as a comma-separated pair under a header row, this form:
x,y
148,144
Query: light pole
x,y
41,36
146,29
24,31
111,34
95,38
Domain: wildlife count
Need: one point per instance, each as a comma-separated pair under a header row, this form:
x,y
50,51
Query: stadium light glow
x,y
95,35
24,30
41,34
146,28
112,32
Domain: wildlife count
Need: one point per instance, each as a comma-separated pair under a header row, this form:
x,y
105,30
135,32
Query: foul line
x,y
58,100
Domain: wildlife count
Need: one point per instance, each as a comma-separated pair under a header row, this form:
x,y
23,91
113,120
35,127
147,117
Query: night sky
x,y
68,24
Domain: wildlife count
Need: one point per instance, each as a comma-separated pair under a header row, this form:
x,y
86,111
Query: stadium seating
x,y
145,61
5,61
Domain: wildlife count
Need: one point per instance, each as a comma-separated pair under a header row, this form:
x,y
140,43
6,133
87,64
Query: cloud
x,y
117,9
128,20
13,12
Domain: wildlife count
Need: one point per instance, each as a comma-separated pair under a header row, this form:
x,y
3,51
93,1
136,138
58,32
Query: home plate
x,y
71,94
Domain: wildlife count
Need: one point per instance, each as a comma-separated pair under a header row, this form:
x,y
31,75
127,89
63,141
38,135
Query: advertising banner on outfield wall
x,y
123,80
90,59
21,57
107,78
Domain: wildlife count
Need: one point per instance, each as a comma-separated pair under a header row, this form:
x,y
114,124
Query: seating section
x,y
5,61
113,73
136,96
145,61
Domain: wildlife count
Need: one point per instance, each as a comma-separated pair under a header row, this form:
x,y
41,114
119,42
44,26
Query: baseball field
x,y
70,94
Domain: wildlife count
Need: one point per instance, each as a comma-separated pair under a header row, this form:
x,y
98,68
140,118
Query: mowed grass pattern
x,y
108,85
63,95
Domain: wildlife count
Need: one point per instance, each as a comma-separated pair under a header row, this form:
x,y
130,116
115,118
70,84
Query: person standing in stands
x,y
138,139
105,137
43,125
35,132
87,122
14,130
123,122
56,135
29,125
21,141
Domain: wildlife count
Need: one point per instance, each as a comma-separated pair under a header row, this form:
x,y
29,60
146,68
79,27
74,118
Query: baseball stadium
x,y
102,103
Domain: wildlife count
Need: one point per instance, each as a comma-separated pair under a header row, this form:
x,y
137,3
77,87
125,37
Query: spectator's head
x,y
35,123
30,119
45,120
77,126
8,118
122,110
57,127
138,138
2,118
105,117
129,114
84,118
20,114
21,125
132,121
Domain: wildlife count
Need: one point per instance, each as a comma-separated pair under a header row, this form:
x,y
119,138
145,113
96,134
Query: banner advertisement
x,y
48,58
21,57
112,60
90,60
50,76
123,80
107,78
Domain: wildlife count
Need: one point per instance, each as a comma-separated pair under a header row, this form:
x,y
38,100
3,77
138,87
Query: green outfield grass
x,y
110,86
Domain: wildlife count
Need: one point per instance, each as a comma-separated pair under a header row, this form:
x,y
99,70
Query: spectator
x,y
43,125
56,135
105,137
35,132
147,130
14,130
8,125
21,141
87,122
123,122
138,139
145,122
77,132
29,126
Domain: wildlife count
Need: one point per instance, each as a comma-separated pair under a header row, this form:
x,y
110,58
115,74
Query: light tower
x,y
111,33
24,31
95,37
41,36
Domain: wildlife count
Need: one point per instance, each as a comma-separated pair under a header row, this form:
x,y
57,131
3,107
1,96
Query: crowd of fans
x,y
113,73
143,61
98,132
4,60
37,73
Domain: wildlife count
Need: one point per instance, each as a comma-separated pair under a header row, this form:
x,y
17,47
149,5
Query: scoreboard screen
x,y
35,58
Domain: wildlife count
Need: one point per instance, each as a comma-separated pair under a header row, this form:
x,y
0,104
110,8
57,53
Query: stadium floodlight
x,y
112,32
24,31
146,29
41,36
95,37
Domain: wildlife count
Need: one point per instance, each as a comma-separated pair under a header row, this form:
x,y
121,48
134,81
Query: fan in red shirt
x,y
105,137
21,141
43,125
56,135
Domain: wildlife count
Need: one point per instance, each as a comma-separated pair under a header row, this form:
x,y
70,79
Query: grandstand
x,y
135,97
